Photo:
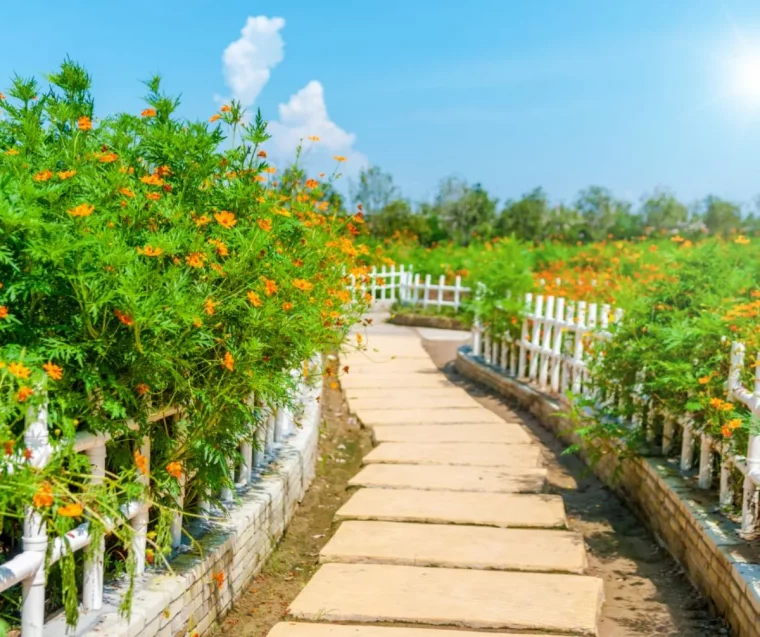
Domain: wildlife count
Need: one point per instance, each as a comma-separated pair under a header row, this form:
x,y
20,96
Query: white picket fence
x,y
28,567
403,285
550,354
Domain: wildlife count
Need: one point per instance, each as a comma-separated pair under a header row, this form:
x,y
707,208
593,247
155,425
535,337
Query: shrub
x,y
142,266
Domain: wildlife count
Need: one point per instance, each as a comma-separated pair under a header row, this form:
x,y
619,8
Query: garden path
x,y
449,526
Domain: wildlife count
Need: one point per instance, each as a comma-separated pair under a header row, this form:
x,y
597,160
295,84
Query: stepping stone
x,y
451,478
411,400
477,454
452,597
505,433
372,393
451,507
431,416
381,382
402,366
447,545
300,629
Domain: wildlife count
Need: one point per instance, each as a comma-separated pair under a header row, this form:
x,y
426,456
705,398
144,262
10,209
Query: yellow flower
x,y
741,240
19,370
303,285
66,174
82,210
254,299
72,510
228,362
339,158
225,219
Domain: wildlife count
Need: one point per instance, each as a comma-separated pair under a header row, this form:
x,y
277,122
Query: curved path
x,y
449,526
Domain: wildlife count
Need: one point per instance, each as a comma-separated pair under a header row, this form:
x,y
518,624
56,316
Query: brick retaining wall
x,y
722,566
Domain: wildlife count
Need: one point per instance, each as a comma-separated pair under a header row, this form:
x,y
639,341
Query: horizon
x,y
557,96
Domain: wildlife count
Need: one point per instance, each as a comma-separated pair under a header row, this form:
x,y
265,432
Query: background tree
x,y
603,215
661,210
720,216
374,191
526,218
465,211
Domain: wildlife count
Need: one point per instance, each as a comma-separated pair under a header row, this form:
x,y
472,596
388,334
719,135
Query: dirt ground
x,y
646,592
647,595
342,445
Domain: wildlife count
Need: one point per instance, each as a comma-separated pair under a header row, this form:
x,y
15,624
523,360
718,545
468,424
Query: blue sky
x,y
513,94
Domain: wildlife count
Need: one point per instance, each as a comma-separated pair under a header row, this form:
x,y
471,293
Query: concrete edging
x,y
191,601
723,567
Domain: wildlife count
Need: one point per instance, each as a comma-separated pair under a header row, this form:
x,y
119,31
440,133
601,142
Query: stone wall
x,y
722,566
189,602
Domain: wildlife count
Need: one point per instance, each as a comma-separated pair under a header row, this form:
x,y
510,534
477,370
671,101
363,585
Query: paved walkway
x,y
449,526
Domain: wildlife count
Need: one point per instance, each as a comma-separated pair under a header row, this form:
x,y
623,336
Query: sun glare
x,y
744,78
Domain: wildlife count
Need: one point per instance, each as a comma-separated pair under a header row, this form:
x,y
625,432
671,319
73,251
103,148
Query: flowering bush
x,y
142,266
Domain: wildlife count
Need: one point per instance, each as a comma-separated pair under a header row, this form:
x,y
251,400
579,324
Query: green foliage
x,y
143,266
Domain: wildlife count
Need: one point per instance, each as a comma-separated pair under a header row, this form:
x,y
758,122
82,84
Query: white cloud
x,y
305,115
249,60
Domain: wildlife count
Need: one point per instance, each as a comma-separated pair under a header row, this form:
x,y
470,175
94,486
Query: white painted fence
x,y
402,284
28,567
550,353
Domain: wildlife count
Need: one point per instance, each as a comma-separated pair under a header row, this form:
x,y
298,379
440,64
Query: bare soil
x,y
342,445
646,593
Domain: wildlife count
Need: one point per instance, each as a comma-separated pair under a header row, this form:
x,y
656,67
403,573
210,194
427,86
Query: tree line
x,y
462,212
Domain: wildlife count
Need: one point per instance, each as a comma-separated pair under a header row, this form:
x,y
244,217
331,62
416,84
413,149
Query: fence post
x,y
580,327
559,318
523,343
416,288
394,283
705,464
426,292
546,343
36,439
457,289
373,282
441,284
139,523
92,587
535,337
687,446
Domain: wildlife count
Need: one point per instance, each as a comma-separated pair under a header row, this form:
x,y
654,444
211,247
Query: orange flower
x,y
219,578
734,423
124,318
197,322
153,196
741,240
84,123
229,362
142,389
313,138
195,259
2,97
225,219
163,171
262,153
270,170
43,175
339,158
174,469
127,192
202,221
287,306
54,371
303,285
82,210
11,151
8,447
704,380
19,370
209,306
218,269
260,178
107,158
221,248
255,299
150,251
72,510
214,117
270,287
152,180
44,496
149,112
312,183
264,224
24,393
3,312
141,462
225,108
297,262
66,174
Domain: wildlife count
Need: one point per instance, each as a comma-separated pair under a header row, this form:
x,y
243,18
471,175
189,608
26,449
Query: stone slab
x,y
447,545
381,382
430,416
438,334
302,629
426,393
452,597
452,507
451,478
477,454
412,400
505,433
386,366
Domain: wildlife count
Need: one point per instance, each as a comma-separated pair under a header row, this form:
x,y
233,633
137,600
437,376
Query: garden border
x,y
421,320
191,601
723,567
